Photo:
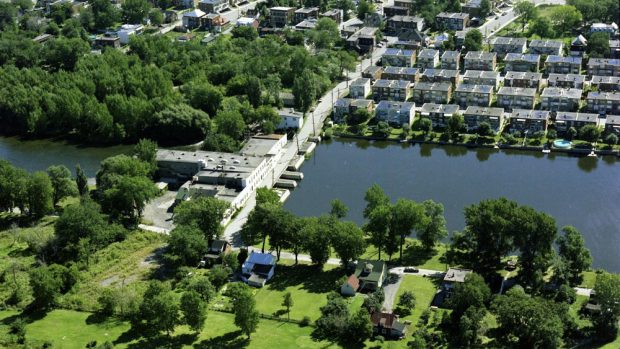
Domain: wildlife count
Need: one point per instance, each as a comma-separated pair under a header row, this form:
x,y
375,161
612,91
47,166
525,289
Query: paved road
x,y
493,26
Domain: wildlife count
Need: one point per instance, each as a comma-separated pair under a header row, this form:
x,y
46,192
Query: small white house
x,y
127,30
290,119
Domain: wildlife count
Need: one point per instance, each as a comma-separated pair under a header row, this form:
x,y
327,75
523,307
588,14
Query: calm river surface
x,y
579,191
38,155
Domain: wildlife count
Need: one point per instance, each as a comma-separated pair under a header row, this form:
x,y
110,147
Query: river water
x,y
579,191
38,155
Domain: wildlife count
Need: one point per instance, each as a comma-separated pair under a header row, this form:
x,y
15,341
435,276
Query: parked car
x,y
411,270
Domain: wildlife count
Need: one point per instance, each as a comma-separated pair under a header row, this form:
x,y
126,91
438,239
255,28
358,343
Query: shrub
x,y
305,321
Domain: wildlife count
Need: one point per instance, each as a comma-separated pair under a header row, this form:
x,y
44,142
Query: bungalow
x,y
516,97
546,47
428,58
479,60
398,58
371,274
502,45
560,99
438,113
258,268
604,67
612,124
606,83
475,95
563,65
482,77
604,102
395,113
401,73
451,60
523,79
522,120
427,92
441,75
217,250
522,62
359,88
566,80
387,325
474,116
566,120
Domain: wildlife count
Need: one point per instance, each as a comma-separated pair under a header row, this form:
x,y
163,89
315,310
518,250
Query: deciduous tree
x,y
194,310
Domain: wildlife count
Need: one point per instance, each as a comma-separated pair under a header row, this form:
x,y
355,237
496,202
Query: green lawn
x,y
70,329
424,290
589,279
307,285
414,254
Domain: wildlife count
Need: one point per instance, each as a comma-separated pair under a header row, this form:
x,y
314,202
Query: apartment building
x,y
476,95
530,121
398,58
281,16
516,97
304,13
452,20
606,83
546,47
428,58
560,99
395,113
401,73
604,67
451,60
441,75
604,102
343,107
391,11
360,88
612,124
503,45
439,114
391,90
522,62
563,65
429,92
397,22
482,77
474,116
566,80
566,120
523,79
480,60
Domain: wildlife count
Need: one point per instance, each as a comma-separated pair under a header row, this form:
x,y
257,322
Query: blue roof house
x,y
258,268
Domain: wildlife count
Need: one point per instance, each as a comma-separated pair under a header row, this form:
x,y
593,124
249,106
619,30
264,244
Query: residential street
x,y
493,26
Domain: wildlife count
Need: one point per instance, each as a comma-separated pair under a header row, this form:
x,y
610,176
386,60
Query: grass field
x,y
424,290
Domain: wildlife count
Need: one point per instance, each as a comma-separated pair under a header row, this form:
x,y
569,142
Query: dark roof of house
x,y
386,320
218,245
368,270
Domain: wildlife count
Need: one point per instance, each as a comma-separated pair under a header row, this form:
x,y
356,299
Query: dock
x,y
295,163
286,184
307,148
292,175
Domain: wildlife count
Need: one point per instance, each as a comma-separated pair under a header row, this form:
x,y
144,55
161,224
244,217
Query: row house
x,y
428,58
395,113
359,88
398,57
566,120
373,72
439,114
451,60
502,45
474,116
522,62
344,107
427,92
482,77
604,67
563,65
304,13
281,16
391,11
440,75
476,95
604,102
401,73
546,47
523,79
516,97
612,124
566,80
392,90
480,60
452,20
606,83
333,14
530,121
560,99
398,22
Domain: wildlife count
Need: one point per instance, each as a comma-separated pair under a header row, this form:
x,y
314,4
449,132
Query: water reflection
x,y
587,163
